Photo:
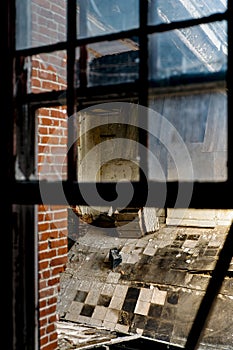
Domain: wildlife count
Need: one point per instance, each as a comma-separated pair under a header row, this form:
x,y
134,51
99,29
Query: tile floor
x,y
154,292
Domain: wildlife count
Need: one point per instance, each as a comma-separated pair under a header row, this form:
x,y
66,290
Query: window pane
x,y
98,17
40,22
188,138
108,151
195,50
161,11
41,151
51,143
110,63
108,143
48,72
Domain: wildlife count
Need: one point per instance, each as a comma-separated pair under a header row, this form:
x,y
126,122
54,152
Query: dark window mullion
x,y
29,192
143,90
165,27
6,156
230,92
71,98
162,27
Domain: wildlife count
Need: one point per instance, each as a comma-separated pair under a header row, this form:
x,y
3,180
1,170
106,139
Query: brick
x,y
51,328
53,281
50,346
43,265
44,340
58,261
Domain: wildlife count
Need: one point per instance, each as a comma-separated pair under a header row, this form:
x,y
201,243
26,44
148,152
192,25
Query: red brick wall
x,y
52,256
52,220
48,72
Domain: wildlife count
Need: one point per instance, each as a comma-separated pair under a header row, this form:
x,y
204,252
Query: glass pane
x,y
195,50
110,63
108,142
51,144
40,22
48,72
188,138
107,151
161,11
99,17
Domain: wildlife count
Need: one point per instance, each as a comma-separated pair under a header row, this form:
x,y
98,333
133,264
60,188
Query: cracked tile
x,y
133,259
112,315
116,303
145,294
108,289
142,307
150,251
158,296
93,297
113,277
121,328
99,313
74,311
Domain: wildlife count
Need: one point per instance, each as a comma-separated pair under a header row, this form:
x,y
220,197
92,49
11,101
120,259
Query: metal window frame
x,y
139,90
27,193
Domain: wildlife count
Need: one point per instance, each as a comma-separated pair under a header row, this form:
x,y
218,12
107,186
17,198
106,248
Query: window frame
x,y
27,192
202,192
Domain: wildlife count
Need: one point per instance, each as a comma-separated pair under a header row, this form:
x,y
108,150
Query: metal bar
x,y
64,192
159,28
143,91
83,49
6,158
165,27
230,92
108,93
71,97
25,289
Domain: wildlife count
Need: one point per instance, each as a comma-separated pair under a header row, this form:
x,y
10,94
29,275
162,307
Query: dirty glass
x,y
51,143
46,72
188,52
187,140
43,156
189,136
197,121
99,17
40,23
161,11
108,62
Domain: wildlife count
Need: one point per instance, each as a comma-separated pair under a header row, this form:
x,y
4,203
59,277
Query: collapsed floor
x,y
154,292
